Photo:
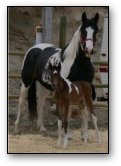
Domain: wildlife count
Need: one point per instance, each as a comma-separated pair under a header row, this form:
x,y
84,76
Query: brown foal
x,y
67,93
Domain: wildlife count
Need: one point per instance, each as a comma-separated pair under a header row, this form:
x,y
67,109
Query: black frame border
x,y
8,83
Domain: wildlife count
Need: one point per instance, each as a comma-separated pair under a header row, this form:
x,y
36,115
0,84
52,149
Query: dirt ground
x,y
30,140
29,143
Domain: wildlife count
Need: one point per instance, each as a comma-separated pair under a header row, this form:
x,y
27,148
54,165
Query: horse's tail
x,y
32,103
93,92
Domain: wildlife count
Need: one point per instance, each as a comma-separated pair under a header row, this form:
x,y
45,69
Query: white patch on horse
x,y
69,85
42,46
70,54
54,60
89,43
76,89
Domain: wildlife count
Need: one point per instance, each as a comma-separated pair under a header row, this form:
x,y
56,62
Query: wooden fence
x,y
17,76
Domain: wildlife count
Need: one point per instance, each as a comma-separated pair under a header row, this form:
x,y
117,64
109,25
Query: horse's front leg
x,y
40,111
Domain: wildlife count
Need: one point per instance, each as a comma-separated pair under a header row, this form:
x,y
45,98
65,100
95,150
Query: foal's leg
x,y
23,95
62,123
65,125
94,118
60,131
84,127
41,101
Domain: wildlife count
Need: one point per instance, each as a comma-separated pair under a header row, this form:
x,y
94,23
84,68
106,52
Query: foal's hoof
x,y
99,141
85,140
43,129
65,146
58,145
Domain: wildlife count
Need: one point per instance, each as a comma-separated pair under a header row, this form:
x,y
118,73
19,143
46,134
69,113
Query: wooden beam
x,y
101,85
61,44
100,104
95,104
17,76
62,36
100,63
16,53
14,76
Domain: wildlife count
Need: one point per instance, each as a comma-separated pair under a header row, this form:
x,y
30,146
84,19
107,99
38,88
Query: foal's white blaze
x,y
55,72
89,43
69,85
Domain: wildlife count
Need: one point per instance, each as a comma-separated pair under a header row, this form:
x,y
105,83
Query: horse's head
x,y
88,33
55,75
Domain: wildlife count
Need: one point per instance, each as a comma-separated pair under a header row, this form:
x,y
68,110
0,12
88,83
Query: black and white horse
x,y
75,60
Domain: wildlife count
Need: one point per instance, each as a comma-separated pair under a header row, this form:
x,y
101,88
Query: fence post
x,y
62,35
47,20
38,34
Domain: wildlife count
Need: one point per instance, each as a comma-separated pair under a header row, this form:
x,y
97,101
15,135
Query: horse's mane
x,y
69,53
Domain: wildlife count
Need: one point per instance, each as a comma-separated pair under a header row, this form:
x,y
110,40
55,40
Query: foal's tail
x,y
32,103
93,92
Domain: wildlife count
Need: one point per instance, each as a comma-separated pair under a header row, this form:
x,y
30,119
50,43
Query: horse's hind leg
x,y
41,101
22,98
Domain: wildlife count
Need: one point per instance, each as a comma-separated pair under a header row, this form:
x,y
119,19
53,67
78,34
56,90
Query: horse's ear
x,y
84,17
96,17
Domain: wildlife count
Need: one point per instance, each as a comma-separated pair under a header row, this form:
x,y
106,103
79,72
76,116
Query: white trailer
x,y
104,57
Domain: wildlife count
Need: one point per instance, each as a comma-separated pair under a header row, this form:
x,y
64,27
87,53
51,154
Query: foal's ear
x,y
96,17
84,17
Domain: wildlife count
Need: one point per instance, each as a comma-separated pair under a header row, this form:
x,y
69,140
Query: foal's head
x,y
88,33
55,75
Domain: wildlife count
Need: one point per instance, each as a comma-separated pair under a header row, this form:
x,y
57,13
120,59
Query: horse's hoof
x,y
64,146
85,140
43,129
99,141
58,145
16,131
